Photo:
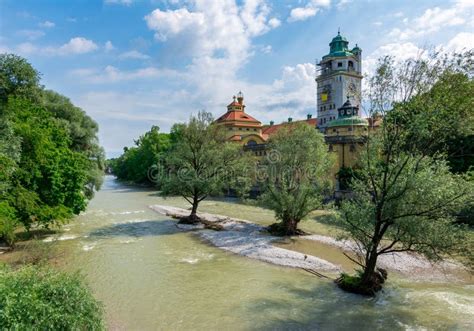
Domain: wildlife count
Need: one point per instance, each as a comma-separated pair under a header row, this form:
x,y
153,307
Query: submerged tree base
x,y
282,230
354,284
196,220
191,219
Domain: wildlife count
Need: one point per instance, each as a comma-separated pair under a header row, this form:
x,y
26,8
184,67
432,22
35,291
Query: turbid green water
x,y
150,276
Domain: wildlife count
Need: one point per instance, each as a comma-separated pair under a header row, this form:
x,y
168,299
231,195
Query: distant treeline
x,y
135,163
50,159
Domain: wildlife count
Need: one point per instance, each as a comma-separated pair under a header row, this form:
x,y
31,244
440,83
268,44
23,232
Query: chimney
x,y
290,120
271,123
309,116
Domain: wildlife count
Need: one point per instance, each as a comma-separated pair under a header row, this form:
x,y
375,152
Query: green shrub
x,y
38,298
8,223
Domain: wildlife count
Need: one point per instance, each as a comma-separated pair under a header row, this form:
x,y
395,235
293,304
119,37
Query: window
x,y
240,129
331,148
229,129
351,64
339,64
349,129
254,129
352,148
333,130
248,129
251,143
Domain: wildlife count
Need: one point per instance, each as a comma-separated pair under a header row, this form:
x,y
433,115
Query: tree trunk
x,y
291,226
192,218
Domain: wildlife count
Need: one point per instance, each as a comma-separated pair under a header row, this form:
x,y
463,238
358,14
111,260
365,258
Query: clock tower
x,y
339,79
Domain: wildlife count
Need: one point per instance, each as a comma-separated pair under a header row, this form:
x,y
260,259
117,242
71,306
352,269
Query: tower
x,y
339,79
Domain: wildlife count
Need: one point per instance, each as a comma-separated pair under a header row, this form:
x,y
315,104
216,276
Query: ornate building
x,y
240,126
338,107
339,78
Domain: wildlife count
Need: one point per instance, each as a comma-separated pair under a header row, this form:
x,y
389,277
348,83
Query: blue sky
x,y
131,64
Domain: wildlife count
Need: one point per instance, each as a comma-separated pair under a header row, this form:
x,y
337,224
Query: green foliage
x,y
406,197
50,160
82,131
202,163
345,176
136,163
8,222
297,167
17,78
37,298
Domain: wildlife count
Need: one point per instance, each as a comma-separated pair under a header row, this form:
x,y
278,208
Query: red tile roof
x,y
272,129
241,116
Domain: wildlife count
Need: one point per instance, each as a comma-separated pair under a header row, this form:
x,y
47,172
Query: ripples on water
x,y
152,276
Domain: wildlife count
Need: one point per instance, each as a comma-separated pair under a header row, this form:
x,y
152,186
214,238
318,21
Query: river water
x,y
151,276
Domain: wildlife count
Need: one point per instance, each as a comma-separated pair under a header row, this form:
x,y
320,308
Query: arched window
x,y
351,64
251,143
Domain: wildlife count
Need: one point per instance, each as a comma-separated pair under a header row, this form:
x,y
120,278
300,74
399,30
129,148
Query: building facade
x,y
339,116
339,78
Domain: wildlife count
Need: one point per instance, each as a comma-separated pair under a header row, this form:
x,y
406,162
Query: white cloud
x,y
77,45
377,23
173,22
46,24
462,41
433,20
399,51
266,49
134,55
217,35
108,46
274,22
111,74
302,13
343,4
310,10
31,34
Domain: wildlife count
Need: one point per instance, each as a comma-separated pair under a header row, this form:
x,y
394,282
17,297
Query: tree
x,y
135,163
405,198
82,131
297,167
18,78
202,163
48,184
50,159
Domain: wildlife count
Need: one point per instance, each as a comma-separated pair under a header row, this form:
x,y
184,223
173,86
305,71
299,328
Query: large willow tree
x,y
295,175
202,163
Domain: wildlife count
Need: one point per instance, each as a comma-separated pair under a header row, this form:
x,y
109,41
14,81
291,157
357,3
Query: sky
x,y
132,64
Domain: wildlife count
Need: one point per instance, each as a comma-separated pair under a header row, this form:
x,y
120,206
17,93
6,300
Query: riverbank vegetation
x,y
138,163
50,159
40,298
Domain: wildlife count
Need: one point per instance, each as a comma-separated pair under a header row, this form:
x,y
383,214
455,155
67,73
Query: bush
x,y
8,223
38,298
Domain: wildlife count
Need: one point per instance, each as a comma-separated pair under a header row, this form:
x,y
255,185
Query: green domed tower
x,y
339,78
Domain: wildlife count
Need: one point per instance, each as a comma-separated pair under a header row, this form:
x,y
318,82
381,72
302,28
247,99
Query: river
x,y
151,276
